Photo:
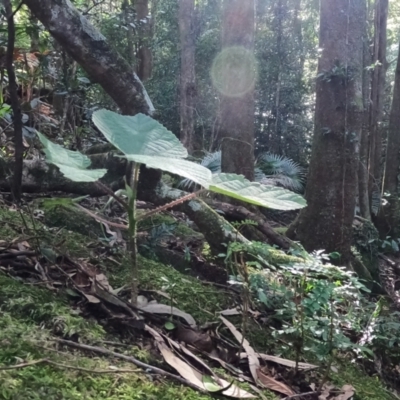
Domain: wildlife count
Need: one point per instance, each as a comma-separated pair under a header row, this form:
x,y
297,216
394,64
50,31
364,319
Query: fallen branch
x,y
140,364
263,226
299,396
47,361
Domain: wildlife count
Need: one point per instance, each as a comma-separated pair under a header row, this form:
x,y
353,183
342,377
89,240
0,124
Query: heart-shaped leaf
x,y
72,164
238,187
139,134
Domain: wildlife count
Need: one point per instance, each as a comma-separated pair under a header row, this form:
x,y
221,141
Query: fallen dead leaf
x,y
283,361
273,384
254,363
157,308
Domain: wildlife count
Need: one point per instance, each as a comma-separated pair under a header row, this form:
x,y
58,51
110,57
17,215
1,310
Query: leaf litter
x,y
82,279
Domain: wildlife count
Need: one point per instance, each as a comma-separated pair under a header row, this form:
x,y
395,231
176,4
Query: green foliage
x,y
270,169
237,187
72,164
280,170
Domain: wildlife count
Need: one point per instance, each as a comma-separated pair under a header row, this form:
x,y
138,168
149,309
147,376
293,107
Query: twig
x,y
18,7
23,365
6,256
133,360
299,396
47,361
118,199
100,219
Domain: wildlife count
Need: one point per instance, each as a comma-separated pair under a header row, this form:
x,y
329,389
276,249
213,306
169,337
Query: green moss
x,y
34,305
180,229
367,387
63,216
281,230
22,341
190,295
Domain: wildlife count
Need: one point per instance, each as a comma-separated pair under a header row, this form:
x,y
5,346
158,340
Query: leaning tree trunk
x,y
389,217
234,76
91,50
188,76
326,223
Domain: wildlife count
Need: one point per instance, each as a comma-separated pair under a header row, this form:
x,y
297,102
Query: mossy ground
x,y
31,317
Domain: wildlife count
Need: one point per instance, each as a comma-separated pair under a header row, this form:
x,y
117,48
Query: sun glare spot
x,y
234,71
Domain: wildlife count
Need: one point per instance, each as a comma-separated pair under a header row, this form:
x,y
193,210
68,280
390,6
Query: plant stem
x,y
133,233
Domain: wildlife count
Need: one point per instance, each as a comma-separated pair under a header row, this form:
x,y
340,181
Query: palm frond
x,y
280,169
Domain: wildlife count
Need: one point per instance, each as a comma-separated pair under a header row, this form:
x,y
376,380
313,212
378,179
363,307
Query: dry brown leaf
x,y
190,354
191,374
348,393
254,363
235,392
102,280
326,392
199,340
183,368
91,299
164,309
273,384
283,361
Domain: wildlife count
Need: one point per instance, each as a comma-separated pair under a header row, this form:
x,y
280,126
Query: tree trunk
x,y
91,50
377,96
363,171
234,76
389,217
143,55
188,77
16,107
326,223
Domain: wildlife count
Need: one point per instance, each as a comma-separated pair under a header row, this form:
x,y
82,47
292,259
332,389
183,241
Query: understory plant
x,y
142,140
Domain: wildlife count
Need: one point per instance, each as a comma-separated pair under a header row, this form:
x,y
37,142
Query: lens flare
x,y
234,71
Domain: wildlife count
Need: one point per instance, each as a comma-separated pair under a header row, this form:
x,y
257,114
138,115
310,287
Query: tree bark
x,y
363,170
326,223
389,218
91,50
16,107
237,107
377,95
188,76
144,56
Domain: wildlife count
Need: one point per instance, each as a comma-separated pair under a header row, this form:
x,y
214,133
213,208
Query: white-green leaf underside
x,y
238,187
195,172
139,134
72,164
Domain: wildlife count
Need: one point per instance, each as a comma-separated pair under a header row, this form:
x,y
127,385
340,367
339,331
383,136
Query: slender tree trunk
x,y
143,55
326,223
235,69
388,220
91,50
128,16
188,77
377,95
16,107
363,172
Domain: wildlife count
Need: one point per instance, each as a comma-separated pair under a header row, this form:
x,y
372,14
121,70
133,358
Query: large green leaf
x,y
195,172
238,187
72,164
139,134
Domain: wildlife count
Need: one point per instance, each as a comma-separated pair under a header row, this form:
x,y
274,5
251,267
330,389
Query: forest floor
x,y
37,315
